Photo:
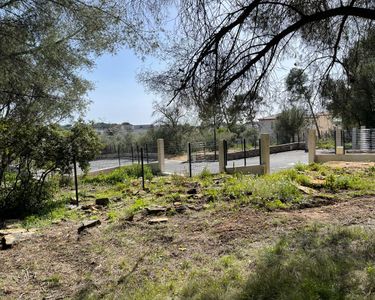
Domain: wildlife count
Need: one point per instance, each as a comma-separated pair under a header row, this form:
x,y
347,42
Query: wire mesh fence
x,y
202,157
122,155
240,152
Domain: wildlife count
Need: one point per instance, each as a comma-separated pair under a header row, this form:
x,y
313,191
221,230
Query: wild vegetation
x,y
238,236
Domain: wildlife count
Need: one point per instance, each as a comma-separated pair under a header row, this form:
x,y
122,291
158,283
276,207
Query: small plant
x,y
205,173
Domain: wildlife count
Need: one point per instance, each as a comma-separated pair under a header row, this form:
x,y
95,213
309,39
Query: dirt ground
x,y
57,263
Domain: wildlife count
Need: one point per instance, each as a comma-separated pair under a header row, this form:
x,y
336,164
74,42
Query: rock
x,y
88,207
205,206
307,190
317,183
102,201
10,237
192,191
116,199
156,210
196,208
157,220
180,208
88,224
72,201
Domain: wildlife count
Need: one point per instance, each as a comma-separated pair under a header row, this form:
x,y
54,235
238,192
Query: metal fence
x,y
202,157
122,155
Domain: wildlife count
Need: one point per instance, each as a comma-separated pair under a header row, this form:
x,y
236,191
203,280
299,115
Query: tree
x,y
301,93
289,124
171,125
38,152
352,98
44,46
223,45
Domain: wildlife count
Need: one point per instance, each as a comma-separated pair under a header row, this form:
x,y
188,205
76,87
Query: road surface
x,y
279,161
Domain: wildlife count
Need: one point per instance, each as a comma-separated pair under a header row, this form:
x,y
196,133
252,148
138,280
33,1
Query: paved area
x,y
279,161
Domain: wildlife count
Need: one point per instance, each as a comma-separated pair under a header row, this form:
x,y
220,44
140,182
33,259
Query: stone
x,y
10,237
307,190
102,201
88,224
72,201
156,210
192,191
180,208
88,207
116,199
158,220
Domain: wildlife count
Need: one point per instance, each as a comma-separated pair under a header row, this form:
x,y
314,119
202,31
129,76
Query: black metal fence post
x,y
118,155
142,170
244,152
75,179
138,158
225,153
260,152
189,159
147,159
132,151
343,140
334,137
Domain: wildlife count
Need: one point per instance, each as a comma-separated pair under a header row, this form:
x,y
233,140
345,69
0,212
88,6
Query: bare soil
x,y
57,263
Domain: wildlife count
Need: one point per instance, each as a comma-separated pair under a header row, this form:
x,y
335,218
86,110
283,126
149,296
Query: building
x,y
324,120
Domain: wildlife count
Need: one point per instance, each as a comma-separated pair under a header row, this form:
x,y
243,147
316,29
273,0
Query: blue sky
x,y
117,96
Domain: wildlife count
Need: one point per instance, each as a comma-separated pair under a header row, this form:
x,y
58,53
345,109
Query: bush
x,y
25,199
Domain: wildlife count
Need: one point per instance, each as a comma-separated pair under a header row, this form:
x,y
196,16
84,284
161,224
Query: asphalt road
x,y
279,161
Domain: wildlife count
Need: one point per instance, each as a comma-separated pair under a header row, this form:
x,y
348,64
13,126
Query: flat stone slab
x,y
88,224
102,201
157,220
10,237
156,210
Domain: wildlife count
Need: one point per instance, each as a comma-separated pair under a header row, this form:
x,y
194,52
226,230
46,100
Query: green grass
x,y
315,263
119,175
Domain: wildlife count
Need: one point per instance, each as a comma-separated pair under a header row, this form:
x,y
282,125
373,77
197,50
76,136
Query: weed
x,y
205,173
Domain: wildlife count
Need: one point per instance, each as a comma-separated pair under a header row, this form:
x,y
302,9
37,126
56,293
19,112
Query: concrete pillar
x,y
311,144
161,157
265,152
221,157
338,137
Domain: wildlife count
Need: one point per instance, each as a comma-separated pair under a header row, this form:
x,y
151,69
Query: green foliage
x,y
41,152
326,143
353,98
119,175
289,124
